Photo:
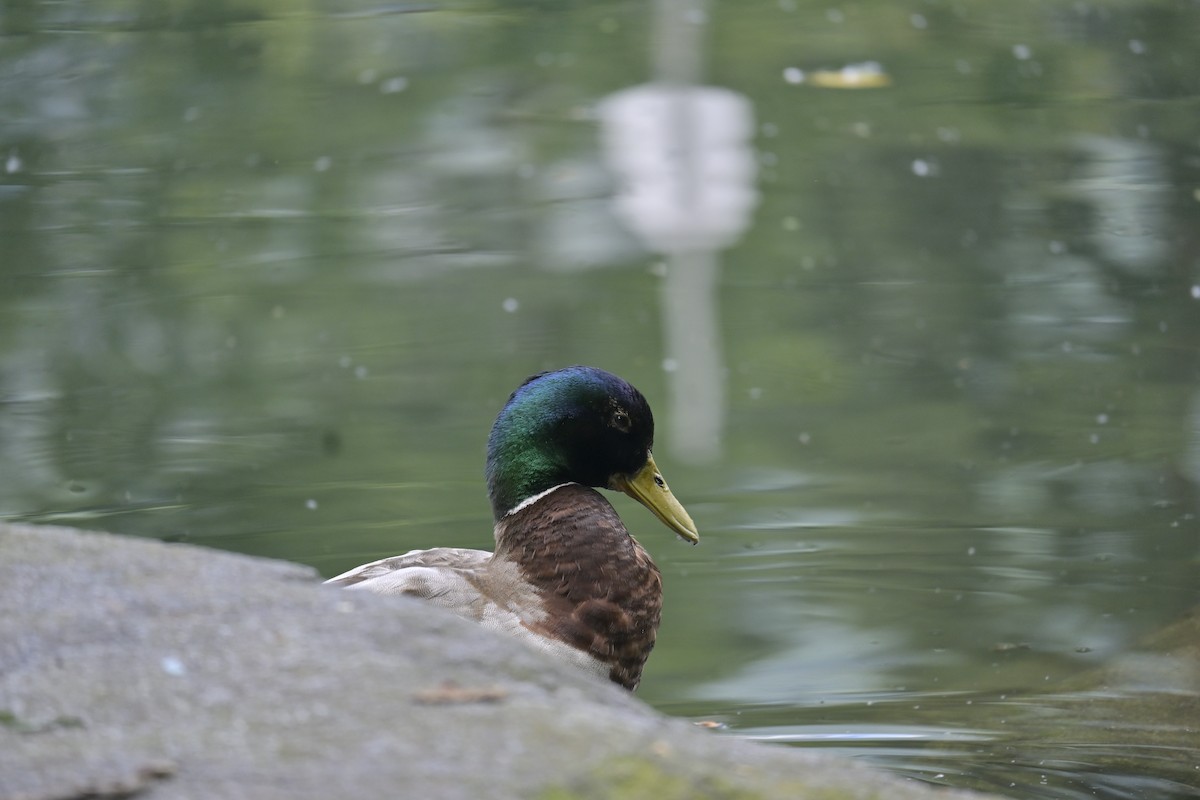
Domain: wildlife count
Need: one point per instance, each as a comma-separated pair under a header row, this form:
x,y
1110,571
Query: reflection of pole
x,y
682,155
696,378
689,301
677,49
678,64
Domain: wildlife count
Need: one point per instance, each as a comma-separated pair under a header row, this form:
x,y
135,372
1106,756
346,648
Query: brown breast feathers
x,y
600,589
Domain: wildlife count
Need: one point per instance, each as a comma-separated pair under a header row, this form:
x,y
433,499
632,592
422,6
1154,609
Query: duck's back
x,y
445,576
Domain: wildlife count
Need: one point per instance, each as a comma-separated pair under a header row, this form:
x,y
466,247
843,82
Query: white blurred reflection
x,y
686,173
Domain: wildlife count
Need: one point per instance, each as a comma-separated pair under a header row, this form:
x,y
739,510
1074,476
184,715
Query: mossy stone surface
x,y
133,667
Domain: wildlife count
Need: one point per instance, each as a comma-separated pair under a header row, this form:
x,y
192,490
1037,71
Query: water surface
x,y
922,343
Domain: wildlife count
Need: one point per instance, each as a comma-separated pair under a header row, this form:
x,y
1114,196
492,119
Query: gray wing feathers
x,y
446,576
456,558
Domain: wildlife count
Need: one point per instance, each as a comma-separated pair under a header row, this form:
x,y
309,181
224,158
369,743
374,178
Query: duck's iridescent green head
x,y
578,425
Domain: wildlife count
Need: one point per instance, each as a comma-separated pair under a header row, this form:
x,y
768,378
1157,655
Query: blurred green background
x,y
269,269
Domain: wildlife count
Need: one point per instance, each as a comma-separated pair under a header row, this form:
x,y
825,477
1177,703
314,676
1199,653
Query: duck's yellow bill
x,y
648,488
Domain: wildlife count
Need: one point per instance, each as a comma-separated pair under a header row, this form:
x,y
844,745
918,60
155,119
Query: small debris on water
x,y
866,75
710,724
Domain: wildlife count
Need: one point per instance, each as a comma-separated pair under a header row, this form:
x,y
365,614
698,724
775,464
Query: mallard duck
x,y
566,576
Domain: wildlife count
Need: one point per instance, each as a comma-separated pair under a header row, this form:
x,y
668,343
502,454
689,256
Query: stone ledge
x,y
133,667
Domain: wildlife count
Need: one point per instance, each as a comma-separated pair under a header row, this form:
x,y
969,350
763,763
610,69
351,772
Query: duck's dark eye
x,y
620,421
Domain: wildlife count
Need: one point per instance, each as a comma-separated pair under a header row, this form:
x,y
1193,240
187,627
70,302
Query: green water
x,y
268,270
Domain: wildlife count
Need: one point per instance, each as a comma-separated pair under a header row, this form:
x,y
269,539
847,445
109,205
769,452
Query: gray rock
x,y
132,667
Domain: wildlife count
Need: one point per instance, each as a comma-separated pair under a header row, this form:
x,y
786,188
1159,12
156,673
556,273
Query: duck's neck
x,y
522,462
532,499
521,476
